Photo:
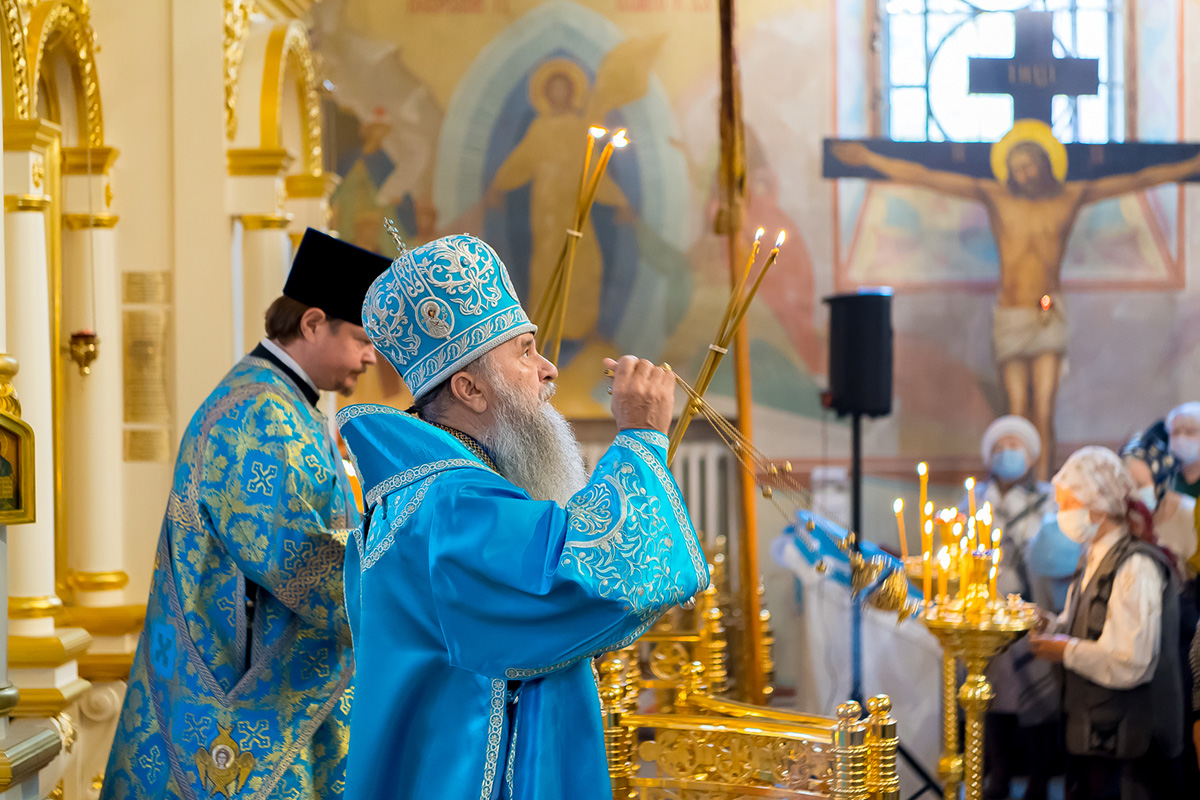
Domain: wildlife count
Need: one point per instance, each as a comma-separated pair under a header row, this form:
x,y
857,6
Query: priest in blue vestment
x,y
490,569
241,686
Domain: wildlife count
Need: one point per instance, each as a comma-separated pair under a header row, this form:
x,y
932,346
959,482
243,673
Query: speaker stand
x,y
856,692
927,783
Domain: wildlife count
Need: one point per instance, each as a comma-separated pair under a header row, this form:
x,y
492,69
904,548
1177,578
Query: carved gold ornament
x,y
68,21
16,92
237,25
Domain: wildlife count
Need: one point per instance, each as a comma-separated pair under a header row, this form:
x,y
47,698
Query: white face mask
x,y
1148,496
1077,525
1185,449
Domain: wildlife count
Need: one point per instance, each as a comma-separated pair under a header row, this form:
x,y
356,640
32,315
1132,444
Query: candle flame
x,y
970,484
962,544
929,508
596,131
758,234
898,506
1046,302
957,529
996,537
922,469
929,527
944,558
779,240
619,138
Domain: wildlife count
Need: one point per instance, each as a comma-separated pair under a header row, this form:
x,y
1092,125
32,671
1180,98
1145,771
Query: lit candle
x,y
964,566
737,320
943,570
595,132
992,582
898,507
996,534
985,518
926,507
970,497
927,556
972,533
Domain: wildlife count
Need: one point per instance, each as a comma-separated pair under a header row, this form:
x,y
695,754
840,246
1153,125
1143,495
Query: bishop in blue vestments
x,y
491,568
241,686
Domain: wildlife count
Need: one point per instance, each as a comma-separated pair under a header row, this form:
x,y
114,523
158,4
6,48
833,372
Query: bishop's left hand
x,y
1050,648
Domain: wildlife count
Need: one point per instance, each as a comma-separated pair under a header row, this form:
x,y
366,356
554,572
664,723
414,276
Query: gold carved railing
x,y
716,749
699,634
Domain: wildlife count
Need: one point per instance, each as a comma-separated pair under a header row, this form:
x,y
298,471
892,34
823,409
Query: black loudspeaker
x,y
860,352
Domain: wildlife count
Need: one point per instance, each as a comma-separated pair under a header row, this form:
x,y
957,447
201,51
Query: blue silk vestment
x,y
475,611
260,501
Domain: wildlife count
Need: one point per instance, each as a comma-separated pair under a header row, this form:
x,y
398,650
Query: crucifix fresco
x,y
1032,187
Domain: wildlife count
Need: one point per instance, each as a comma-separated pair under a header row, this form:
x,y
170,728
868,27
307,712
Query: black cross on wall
x,y
1034,75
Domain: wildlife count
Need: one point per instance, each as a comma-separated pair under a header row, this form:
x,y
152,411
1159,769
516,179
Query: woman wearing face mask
x,y
1154,469
1022,721
1183,424
1117,641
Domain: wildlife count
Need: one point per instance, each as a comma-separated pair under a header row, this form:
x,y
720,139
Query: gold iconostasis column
x,y
42,657
32,599
94,390
257,196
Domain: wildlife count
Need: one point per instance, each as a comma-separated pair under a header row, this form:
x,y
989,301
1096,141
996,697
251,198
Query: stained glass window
x,y
926,44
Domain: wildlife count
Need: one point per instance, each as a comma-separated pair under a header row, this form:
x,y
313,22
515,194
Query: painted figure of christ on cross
x,y
1031,206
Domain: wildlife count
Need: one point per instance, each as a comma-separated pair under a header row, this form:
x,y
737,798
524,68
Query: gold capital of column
x,y
266,222
98,581
25,202
258,161
105,620
50,702
47,652
29,134
311,186
77,222
33,607
89,160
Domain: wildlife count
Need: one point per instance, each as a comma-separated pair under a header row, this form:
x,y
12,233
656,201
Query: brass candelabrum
x,y
972,628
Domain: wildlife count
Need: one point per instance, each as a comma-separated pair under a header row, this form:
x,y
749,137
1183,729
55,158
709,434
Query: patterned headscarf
x,y
1099,479
1150,447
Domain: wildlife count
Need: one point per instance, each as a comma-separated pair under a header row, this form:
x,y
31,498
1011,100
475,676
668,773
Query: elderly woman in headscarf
x,y
1183,426
1154,468
1117,639
1022,721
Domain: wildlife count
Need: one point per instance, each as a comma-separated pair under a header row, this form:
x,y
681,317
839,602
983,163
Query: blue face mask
x,y
1008,465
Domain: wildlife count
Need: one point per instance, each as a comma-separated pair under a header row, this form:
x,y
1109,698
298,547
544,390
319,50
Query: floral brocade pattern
x,y
620,541
259,506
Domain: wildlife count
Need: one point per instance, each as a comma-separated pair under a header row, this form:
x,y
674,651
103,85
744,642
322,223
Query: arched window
x,y
925,44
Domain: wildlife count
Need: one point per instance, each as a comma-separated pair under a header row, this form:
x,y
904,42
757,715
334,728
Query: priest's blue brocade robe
x,y
476,610
259,506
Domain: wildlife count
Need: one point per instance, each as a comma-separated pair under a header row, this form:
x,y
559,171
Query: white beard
x,y
534,446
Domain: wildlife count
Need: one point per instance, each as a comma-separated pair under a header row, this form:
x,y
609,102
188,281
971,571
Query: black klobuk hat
x,y
333,275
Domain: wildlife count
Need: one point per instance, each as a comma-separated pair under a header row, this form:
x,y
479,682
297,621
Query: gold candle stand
x,y
973,632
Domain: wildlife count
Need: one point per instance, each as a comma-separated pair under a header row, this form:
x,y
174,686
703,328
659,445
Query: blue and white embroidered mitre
x,y
475,611
440,307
